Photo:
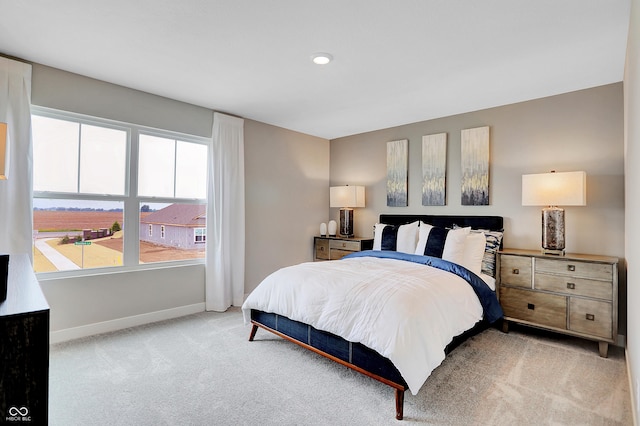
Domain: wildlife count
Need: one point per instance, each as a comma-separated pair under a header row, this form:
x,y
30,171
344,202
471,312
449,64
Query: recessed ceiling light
x,y
321,58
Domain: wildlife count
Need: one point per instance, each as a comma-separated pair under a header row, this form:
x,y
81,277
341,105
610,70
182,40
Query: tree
x,y
145,208
115,227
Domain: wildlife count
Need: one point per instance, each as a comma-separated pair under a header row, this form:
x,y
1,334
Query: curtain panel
x,y
224,283
16,204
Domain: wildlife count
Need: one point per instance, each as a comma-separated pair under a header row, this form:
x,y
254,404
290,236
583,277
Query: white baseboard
x,y
121,323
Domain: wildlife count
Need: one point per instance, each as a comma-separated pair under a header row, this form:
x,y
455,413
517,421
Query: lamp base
x,y
346,222
553,231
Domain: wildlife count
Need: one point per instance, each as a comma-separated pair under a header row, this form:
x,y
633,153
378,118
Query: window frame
x,y
132,202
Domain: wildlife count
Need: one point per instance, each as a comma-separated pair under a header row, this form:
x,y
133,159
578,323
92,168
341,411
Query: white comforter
x,y
405,311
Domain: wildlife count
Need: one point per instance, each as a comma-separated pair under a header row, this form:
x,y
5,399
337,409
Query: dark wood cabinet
x,y
24,347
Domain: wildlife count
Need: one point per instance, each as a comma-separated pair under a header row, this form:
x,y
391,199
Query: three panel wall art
x,y
474,169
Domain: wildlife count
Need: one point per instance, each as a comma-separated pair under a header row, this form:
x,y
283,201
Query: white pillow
x,y
474,247
430,242
489,280
398,238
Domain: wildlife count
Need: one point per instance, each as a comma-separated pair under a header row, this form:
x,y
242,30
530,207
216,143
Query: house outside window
x,y
96,180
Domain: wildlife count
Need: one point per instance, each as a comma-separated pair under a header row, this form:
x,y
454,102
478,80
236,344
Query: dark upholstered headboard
x,y
492,223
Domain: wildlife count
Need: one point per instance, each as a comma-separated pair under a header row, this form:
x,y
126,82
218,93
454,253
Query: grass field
x,y
105,252
41,263
50,220
94,255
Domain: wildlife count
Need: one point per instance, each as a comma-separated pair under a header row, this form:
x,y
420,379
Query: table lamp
x,y
553,190
346,197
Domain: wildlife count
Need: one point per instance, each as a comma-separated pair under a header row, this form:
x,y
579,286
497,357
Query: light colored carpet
x,y
201,370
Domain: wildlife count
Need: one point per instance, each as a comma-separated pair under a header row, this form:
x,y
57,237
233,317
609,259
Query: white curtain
x,y
16,205
225,215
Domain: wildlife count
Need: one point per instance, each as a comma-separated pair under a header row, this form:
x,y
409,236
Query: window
x,y
176,171
72,234
78,158
172,168
90,174
200,235
175,241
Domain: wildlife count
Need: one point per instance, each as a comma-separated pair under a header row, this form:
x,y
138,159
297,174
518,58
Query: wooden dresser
x,y
575,294
333,248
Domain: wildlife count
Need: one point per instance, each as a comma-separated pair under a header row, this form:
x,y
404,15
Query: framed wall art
x,y
434,169
474,159
397,173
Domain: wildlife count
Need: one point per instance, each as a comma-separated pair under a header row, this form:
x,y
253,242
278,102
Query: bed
x,y
383,334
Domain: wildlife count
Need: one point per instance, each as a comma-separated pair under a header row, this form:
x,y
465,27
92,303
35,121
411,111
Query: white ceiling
x,y
395,61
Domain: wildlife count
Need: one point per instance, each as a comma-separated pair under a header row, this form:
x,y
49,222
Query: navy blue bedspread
x,y
487,297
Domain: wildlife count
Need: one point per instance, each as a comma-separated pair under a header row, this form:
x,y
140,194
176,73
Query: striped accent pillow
x,y
400,238
444,243
494,239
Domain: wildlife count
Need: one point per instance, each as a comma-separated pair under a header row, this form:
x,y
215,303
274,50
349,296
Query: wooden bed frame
x,y
355,355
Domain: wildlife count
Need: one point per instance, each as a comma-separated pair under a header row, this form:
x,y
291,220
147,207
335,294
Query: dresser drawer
x,y
575,268
515,271
539,308
590,317
574,286
339,254
344,245
322,249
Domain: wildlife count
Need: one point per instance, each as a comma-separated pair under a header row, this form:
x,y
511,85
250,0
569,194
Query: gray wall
x,y
632,178
286,177
287,197
54,88
576,131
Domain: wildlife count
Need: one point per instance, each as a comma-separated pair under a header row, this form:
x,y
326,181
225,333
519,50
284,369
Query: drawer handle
x,y
344,244
516,271
571,286
321,248
531,306
571,268
590,317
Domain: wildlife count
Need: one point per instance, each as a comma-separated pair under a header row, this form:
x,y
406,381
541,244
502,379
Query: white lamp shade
x,y
3,151
346,196
555,189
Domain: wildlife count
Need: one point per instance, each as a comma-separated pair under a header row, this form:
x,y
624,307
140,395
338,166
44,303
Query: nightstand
x,y
575,294
333,248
